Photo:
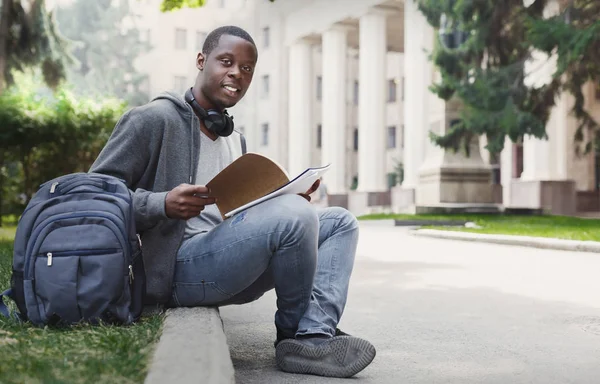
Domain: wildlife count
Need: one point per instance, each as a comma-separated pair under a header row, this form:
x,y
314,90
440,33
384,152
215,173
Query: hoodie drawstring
x,y
191,148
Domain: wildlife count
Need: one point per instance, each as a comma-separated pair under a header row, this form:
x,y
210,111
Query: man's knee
x,y
294,209
292,213
347,219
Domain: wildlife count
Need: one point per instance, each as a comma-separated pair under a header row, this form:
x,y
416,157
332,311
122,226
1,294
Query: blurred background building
x,y
346,82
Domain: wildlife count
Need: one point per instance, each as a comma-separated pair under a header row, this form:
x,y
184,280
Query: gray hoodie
x,y
155,148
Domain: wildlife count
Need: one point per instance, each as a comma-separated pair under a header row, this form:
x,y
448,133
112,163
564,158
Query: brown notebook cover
x,y
248,178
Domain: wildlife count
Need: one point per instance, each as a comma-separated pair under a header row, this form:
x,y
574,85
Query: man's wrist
x,y
157,205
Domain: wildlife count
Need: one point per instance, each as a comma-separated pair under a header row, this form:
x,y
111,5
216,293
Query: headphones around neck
x,y
218,123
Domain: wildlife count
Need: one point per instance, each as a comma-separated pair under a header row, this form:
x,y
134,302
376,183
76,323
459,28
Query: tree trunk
x,y
4,30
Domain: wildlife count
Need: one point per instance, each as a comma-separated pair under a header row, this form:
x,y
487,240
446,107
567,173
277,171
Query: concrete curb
x,y
526,241
192,349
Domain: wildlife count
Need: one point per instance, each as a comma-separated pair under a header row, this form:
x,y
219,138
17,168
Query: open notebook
x,y
252,179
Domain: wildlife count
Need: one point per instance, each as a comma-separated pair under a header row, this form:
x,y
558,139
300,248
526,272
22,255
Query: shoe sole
x,y
295,357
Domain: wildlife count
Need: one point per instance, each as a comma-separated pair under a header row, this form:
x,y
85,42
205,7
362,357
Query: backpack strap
x,y
3,308
243,140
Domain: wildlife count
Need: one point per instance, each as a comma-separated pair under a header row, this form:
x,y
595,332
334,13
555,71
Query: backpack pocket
x,y
83,278
56,287
74,285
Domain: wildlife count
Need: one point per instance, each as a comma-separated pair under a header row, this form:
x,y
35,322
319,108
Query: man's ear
x,y
200,61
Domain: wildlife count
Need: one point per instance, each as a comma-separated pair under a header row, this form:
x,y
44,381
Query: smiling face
x,y
226,73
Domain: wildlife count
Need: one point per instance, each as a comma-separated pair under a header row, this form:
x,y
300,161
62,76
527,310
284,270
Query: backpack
x,y
77,256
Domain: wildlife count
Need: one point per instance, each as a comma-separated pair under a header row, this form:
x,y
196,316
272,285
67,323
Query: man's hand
x,y
185,201
312,189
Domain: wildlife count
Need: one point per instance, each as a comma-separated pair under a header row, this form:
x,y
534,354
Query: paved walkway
x,y
446,311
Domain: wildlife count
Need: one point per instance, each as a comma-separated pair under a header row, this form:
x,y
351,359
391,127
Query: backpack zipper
x,y
41,227
86,252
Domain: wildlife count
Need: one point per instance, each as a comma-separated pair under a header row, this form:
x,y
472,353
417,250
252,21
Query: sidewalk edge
x,y
527,241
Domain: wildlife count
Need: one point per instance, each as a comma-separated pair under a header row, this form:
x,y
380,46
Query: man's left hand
x,y
312,189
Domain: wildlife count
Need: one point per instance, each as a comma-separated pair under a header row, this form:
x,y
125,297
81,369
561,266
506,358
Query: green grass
x,y
81,354
7,233
561,227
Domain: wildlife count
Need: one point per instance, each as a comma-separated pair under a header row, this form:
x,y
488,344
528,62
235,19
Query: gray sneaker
x,y
339,356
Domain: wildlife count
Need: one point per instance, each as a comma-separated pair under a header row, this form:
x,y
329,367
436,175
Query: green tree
x,y
100,32
481,54
173,5
28,37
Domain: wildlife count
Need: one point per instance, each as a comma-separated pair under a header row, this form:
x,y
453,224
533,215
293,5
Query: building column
x,y
543,183
536,159
300,111
334,109
417,70
371,109
506,170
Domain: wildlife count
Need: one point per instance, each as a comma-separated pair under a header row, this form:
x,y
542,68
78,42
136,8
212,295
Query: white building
x,y
346,82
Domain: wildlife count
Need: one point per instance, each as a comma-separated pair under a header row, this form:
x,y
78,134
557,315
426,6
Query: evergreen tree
x,y
481,52
28,37
106,49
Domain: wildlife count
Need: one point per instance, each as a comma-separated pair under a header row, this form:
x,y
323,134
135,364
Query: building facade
x,y
346,82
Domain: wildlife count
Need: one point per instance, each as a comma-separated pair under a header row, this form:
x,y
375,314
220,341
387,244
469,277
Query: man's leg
x,y
338,238
219,267
317,349
337,241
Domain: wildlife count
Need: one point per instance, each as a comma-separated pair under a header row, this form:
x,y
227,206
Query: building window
x,y
265,134
517,160
391,90
403,86
355,144
180,38
179,84
597,169
391,137
496,168
319,136
200,37
355,93
319,88
265,86
266,37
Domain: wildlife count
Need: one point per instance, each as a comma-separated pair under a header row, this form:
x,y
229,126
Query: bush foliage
x,y
45,134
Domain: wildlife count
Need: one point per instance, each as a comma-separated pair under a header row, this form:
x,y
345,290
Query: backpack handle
x,y
102,184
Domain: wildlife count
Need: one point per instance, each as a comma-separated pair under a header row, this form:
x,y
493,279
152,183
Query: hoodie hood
x,y
177,99
187,112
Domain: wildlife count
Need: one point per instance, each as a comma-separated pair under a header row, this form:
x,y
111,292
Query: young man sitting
x,y
166,151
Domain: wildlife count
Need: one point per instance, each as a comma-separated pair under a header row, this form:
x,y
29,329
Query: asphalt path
x,y
446,311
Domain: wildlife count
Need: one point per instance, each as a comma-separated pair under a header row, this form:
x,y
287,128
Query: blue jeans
x,y
306,254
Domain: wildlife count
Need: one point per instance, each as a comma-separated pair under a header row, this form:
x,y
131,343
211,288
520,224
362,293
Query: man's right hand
x,y
185,201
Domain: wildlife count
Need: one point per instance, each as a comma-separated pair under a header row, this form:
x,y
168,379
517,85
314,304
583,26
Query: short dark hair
x,y
212,40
